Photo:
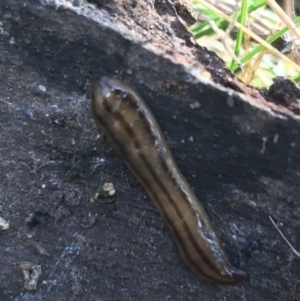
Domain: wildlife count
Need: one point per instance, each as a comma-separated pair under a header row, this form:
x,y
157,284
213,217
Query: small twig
x,y
289,244
289,8
223,37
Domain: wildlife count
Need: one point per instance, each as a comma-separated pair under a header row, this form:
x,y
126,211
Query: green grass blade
x,y
240,35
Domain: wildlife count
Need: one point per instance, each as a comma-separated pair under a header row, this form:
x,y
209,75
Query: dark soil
x,y
239,151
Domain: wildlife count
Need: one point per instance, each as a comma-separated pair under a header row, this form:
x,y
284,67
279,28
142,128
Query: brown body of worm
x,y
125,119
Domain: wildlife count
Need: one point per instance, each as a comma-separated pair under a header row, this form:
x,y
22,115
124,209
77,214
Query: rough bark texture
x,y
239,151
